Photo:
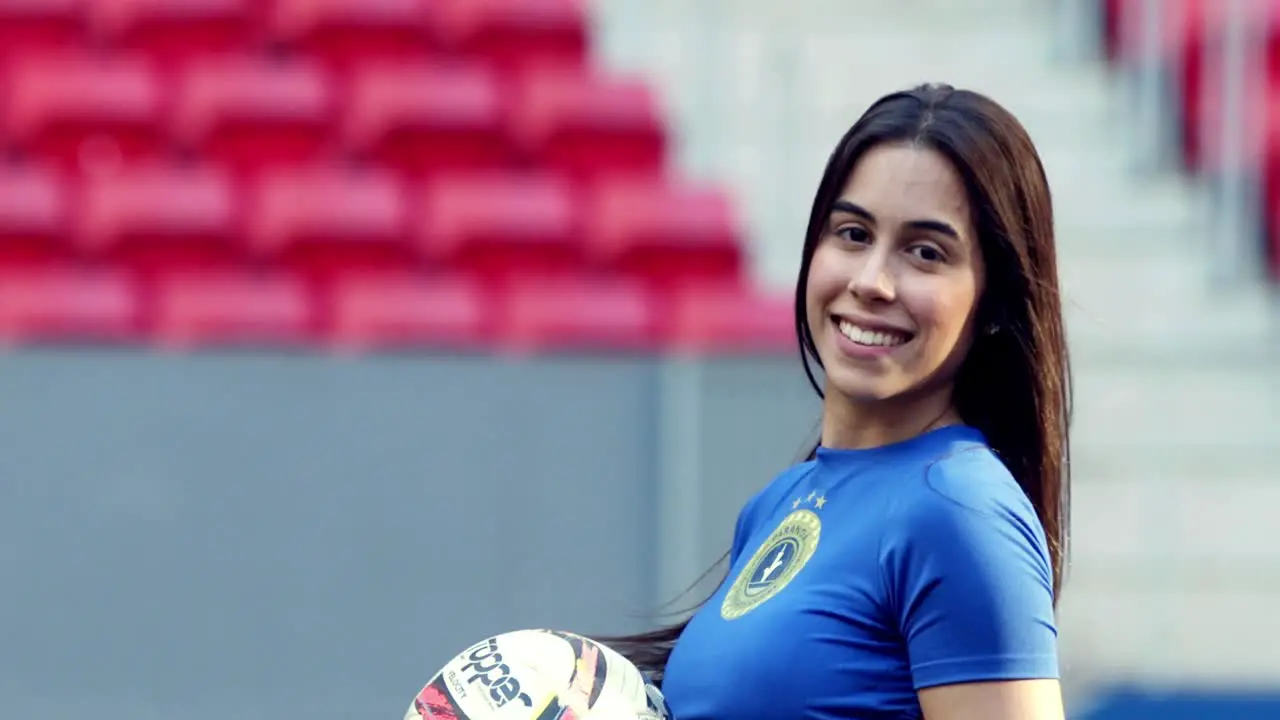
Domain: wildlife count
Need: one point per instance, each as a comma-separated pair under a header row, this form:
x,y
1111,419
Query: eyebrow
x,y
936,226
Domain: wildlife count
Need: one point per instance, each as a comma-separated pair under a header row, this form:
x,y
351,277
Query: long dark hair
x,y
1014,385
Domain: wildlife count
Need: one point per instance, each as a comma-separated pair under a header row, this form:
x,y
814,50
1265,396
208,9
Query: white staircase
x,y
1177,429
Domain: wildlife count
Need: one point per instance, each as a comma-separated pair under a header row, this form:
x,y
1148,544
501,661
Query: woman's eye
x,y
854,234
928,253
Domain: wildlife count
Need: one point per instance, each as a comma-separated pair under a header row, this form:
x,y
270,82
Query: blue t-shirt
x,y
866,575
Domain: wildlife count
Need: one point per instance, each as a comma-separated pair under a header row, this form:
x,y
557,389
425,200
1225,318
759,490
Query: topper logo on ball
x,y
490,671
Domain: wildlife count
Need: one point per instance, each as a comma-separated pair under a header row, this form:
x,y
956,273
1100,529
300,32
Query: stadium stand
x,y
1187,38
350,174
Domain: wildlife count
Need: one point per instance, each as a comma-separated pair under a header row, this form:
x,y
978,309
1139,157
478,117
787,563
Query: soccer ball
x,y
539,675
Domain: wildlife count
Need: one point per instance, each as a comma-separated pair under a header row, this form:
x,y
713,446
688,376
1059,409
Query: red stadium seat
x,y
40,26
670,235
347,32
1112,17
327,221
254,114
194,310
590,125
580,314
34,216
716,320
515,35
84,112
1187,38
172,32
66,304
498,226
377,311
159,217
426,120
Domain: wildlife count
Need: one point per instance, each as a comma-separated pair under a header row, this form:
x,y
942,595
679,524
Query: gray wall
x,y
261,536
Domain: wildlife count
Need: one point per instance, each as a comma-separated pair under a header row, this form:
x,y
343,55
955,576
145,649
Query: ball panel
x,y
538,675
435,702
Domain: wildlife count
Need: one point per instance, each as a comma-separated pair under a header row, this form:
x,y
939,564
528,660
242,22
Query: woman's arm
x,y
1001,700
969,576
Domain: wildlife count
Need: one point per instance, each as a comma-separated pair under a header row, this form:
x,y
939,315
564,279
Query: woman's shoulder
x,y
967,491
973,478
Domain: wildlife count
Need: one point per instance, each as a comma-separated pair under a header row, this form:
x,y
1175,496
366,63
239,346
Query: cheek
x,y
822,287
947,313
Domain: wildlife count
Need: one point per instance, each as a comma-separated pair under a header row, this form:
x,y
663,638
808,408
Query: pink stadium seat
x,y
515,35
579,314
347,32
1111,30
254,114
728,320
159,218
172,32
61,304
40,26
326,221
235,308
670,235
377,311
34,216
365,174
425,119
497,225
1185,42
84,112
589,125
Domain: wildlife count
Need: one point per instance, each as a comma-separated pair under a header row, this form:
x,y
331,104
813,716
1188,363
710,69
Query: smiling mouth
x,y
869,337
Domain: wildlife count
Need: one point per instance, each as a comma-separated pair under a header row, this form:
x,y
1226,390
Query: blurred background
x,y
339,334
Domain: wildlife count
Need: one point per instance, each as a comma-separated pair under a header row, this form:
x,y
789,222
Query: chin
x,y
860,388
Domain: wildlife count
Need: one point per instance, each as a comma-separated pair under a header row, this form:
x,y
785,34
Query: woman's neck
x,y
853,426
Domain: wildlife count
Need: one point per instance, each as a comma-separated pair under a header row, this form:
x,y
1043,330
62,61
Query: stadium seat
x,y
1192,40
173,32
367,174
255,114
34,216
325,221
1187,40
68,304
587,313
40,26
723,320
499,225
231,309
84,112
589,125
425,119
668,234
401,311
343,33
516,35
157,217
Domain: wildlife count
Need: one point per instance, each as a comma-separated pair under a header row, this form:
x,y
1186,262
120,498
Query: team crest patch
x,y
781,556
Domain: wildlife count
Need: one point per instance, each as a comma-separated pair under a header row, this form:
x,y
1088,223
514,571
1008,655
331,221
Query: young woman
x,y
910,567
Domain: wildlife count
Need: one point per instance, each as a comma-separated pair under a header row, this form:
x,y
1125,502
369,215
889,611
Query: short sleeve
x,y
968,575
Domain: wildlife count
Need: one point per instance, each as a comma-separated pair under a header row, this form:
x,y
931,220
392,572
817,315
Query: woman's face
x,y
895,278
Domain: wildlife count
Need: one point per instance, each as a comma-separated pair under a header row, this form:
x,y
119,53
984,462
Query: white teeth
x,y
863,336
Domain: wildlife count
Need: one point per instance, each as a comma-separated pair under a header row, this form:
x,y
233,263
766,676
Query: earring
x,y
991,329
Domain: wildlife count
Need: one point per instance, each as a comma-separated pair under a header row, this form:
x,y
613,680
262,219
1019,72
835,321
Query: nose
x,y
872,281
